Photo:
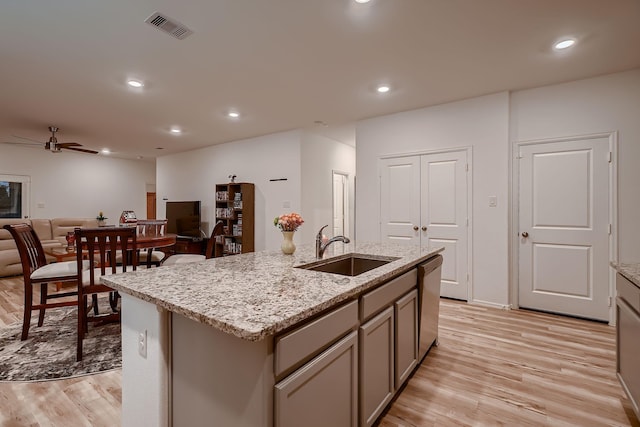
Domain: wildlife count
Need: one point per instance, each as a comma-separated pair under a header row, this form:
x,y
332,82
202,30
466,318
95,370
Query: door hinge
x,y
609,156
609,229
467,277
466,167
609,301
467,222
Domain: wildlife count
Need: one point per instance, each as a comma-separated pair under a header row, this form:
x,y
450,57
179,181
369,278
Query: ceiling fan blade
x,y
28,139
83,150
68,144
24,144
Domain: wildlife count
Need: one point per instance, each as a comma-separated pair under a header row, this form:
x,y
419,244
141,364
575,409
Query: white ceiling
x,y
283,64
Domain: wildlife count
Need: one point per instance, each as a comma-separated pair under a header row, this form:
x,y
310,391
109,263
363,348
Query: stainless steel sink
x,y
348,265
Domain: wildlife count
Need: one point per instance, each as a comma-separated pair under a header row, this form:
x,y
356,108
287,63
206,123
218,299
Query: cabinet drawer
x,y
377,299
628,292
302,343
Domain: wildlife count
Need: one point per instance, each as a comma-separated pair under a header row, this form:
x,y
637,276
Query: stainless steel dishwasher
x,y
429,276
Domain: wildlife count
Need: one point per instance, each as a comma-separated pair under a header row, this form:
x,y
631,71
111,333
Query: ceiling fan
x,y
53,145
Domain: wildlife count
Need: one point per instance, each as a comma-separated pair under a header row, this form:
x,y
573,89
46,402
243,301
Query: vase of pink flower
x,y
288,224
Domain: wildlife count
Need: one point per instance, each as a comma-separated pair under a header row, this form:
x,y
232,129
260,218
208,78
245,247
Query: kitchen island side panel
x,y
145,378
220,379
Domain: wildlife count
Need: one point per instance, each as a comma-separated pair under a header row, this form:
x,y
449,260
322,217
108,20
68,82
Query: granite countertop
x,y
259,294
629,270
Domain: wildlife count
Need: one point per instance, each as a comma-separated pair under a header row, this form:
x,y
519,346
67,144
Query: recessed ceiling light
x,y
383,89
105,151
135,83
564,44
362,1
234,114
176,131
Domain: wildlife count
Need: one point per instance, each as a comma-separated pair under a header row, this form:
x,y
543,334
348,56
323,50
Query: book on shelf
x,y
224,213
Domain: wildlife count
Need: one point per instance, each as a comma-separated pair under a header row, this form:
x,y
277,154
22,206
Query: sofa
x,y
51,232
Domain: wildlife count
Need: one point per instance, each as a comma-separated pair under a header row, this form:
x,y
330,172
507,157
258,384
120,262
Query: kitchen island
x,y
230,340
628,330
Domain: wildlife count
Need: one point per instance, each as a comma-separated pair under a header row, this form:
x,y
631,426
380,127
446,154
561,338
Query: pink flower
x,y
288,222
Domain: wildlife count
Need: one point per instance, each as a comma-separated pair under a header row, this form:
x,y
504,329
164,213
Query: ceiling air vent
x,y
169,25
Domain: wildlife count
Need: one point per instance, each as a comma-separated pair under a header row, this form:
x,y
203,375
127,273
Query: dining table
x,y
152,241
146,241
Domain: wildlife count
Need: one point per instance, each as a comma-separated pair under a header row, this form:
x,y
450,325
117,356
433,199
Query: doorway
x,y
564,225
340,203
151,205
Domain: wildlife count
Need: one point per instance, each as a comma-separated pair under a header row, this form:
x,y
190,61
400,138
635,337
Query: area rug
x,y
50,351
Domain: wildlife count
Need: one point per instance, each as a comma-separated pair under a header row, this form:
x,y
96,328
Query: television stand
x,y
190,245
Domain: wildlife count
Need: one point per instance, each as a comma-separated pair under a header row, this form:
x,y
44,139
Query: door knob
x,y
415,228
424,228
525,234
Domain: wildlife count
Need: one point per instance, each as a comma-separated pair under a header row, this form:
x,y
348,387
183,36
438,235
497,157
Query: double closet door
x,y
423,201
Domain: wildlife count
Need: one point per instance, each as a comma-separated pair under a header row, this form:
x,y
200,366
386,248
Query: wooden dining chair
x,y
35,270
218,230
100,246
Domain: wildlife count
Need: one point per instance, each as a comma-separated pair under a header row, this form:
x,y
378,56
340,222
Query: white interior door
x,y
564,227
424,202
400,199
340,204
444,216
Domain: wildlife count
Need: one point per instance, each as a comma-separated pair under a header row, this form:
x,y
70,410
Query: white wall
x,y
481,123
79,185
490,124
319,158
601,104
192,175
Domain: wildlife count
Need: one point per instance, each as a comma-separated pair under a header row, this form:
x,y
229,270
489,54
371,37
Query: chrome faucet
x,y
321,247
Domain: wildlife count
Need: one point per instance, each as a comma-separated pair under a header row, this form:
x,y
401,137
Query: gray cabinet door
x,y
406,333
376,366
628,349
323,392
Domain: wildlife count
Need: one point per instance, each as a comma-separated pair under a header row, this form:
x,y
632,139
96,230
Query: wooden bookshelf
x,y
235,206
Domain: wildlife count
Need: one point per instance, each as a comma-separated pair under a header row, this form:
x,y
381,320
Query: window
x,y
14,196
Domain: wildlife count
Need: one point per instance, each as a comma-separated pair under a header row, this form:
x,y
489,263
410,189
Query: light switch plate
x,y
493,201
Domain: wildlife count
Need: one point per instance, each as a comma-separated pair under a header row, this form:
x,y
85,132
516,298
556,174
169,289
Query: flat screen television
x,y
183,218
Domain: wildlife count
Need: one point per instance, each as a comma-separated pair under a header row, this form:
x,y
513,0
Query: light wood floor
x,y
492,367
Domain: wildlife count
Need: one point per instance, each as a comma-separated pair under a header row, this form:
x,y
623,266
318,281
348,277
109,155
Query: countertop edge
x,y
630,271
278,326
